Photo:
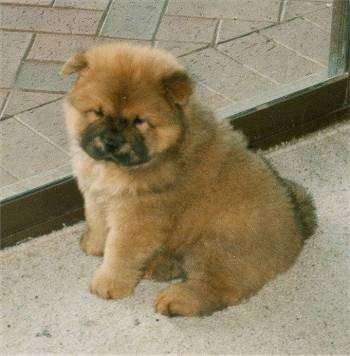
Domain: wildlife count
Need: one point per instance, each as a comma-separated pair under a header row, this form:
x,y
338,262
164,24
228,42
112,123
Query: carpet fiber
x,y
46,306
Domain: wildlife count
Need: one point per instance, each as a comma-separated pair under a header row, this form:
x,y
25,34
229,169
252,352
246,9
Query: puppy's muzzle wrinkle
x,y
109,144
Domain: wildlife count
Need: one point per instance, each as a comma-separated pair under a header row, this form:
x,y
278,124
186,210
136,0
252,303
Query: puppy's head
x,y
127,104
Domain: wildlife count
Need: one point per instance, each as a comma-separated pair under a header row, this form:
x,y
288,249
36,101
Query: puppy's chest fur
x,y
179,212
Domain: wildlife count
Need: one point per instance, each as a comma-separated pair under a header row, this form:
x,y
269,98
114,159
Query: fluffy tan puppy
x,y
169,191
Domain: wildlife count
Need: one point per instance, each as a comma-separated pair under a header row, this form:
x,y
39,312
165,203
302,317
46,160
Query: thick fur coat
x,y
170,191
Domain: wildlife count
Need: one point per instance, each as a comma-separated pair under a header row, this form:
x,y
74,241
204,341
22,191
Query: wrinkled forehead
x,y
117,96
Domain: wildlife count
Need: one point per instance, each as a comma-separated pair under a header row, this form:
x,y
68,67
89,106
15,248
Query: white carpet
x,y
46,306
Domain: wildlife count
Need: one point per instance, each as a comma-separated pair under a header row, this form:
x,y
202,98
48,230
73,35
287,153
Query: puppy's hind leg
x,y
190,298
212,281
92,241
205,289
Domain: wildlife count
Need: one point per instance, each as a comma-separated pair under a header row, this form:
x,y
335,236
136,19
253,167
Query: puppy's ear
x,y
74,64
178,87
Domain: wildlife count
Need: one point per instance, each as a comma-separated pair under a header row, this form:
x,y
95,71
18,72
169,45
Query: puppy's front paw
x,y
106,285
91,246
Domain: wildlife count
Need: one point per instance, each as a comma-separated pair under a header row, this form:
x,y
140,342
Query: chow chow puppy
x,y
169,191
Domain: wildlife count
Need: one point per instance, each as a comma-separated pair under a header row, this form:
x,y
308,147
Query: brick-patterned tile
x,y
264,10
44,19
231,28
3,96
49,121
322,18
177,28
225,75
303,37
209,98
179,48
6,178
24,100
82,4
269,58
42,76
28,2
133,19
44,177
12,48
24,153
60,47
300,8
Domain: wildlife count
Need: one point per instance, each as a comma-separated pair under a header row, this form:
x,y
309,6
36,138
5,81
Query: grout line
x,y
297,52
4,105
23,180
43,61
49,6
216,33
83,35
251,68
31,108
247,34
25,5
29,46
274,81
161,16
103,18
233,18
282,10
195,51
216,92
40,32
37,91
205,46
41,135
315,24
76,8
11,174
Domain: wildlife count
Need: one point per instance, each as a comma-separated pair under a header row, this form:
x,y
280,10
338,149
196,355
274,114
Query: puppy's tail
x,y
304,208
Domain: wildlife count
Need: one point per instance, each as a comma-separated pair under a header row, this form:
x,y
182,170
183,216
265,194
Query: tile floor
x,y
47,308
234,49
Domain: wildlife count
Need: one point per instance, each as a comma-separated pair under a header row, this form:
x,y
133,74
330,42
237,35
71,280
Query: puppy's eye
x,y
138,121
97,112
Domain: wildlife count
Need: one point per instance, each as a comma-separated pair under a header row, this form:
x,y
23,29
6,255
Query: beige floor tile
x,y
82,4
232,80
210,98
49,121
28,2
322,18
177,28
39,19
13,46
6,178
57,47
3,96
301,8
269,58
231,28
264,10
24,100
179,48
42,76
132,19
24,153
302,36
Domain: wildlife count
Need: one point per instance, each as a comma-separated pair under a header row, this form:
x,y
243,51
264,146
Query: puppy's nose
x,y
112,142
